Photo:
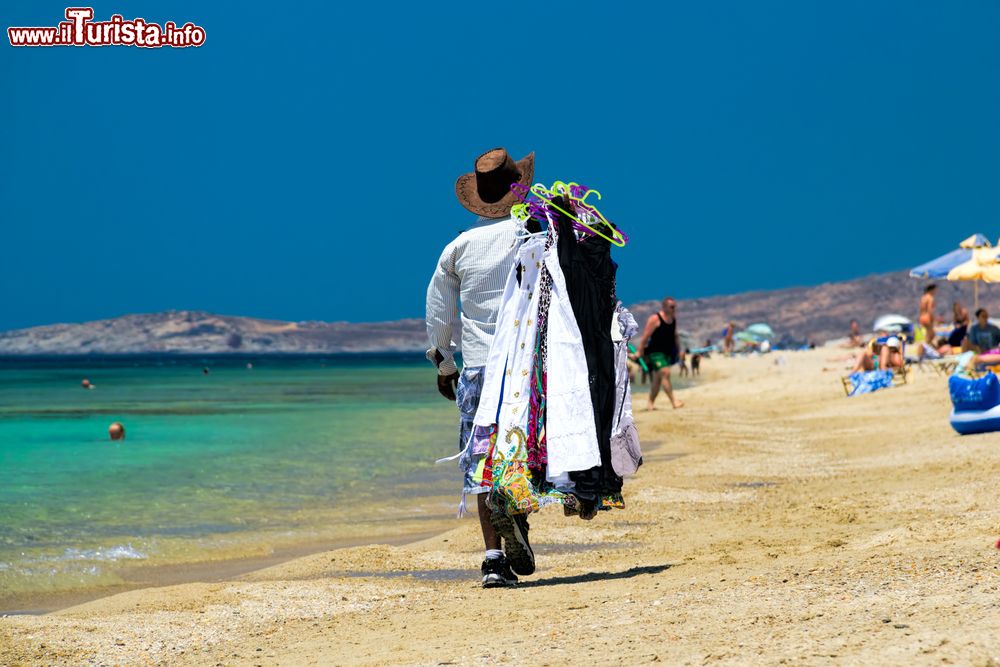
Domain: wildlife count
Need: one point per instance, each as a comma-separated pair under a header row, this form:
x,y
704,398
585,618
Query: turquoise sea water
x,y
214,465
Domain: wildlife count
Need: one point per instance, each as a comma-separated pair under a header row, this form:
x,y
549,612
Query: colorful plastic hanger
x,y
577,195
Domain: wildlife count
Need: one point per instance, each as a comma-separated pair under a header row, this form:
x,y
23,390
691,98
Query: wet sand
x,y
775,522
229,565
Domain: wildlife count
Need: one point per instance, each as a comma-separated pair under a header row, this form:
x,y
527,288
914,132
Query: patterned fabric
x,y
482,438
611,501
537,455
535,446
867,382
514,489
470,386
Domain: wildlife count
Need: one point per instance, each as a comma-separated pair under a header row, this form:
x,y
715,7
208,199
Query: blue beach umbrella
x,y
939,268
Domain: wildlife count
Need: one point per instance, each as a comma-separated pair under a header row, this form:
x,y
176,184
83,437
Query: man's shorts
x,y
470,388
657,360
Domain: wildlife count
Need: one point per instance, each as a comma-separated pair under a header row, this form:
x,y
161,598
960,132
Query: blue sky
x,y
300,165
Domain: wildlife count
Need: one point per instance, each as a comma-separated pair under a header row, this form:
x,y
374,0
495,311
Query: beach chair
x,y
944,366
900,376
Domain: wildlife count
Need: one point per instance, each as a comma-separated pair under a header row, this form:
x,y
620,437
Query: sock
x,y
494,553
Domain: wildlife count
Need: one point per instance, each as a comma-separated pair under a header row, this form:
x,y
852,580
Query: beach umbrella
x,y
943,265
892,323
983,266
761,330
939,268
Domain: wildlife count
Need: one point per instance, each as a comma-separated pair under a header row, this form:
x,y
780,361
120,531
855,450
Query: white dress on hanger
x,y
508,371
570,432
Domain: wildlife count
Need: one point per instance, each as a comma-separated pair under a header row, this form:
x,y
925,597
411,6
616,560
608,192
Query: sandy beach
x,y
774,522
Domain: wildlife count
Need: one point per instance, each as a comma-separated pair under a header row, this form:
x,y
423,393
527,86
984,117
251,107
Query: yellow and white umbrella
x,y
983,267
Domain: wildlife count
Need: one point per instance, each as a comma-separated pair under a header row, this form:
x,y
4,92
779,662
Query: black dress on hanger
x,y
590,283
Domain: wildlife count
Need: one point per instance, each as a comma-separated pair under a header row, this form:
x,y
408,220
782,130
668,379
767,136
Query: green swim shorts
x,y
658,360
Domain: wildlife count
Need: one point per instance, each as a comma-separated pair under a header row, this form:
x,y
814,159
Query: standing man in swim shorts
x,y
661,345
472,271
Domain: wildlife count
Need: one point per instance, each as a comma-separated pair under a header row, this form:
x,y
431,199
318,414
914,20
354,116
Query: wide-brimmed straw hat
x,y
486,190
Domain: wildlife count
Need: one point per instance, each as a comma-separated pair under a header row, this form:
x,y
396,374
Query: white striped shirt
x,y
473,270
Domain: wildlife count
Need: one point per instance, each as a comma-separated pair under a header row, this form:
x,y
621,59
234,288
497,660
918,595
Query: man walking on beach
x,y
473,271
661,345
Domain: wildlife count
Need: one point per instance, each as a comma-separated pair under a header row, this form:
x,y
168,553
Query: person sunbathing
x,y
944,347
884,356
939,348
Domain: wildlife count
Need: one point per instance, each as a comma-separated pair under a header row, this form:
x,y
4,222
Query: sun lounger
x,y
899,375
944,366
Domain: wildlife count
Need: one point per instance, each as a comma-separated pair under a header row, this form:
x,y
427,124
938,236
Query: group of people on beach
x,y
981,337
885,351
468,287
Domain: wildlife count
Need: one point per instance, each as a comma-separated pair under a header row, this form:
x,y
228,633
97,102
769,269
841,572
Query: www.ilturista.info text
x,y
81,30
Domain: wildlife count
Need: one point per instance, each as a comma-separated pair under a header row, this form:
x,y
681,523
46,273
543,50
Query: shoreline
x,y
139,576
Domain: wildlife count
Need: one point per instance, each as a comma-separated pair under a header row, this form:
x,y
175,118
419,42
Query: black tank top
x,y
664,338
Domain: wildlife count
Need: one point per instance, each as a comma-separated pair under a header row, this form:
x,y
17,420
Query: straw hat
x,y
486,190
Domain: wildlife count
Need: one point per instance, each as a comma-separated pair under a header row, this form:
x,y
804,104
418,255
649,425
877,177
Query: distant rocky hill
x,y
819,313
196,332
798,314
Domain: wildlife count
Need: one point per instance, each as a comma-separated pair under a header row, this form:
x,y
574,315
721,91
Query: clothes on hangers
x,y
590,275
554,423
626,454
505,406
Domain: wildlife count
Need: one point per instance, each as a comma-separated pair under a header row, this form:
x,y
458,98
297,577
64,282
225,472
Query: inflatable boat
x,y
975,404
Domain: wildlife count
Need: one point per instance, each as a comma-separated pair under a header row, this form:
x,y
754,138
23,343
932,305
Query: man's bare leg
x,y
490,537
668,388
654,389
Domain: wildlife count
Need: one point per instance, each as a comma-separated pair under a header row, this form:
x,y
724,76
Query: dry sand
x,y
774,522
